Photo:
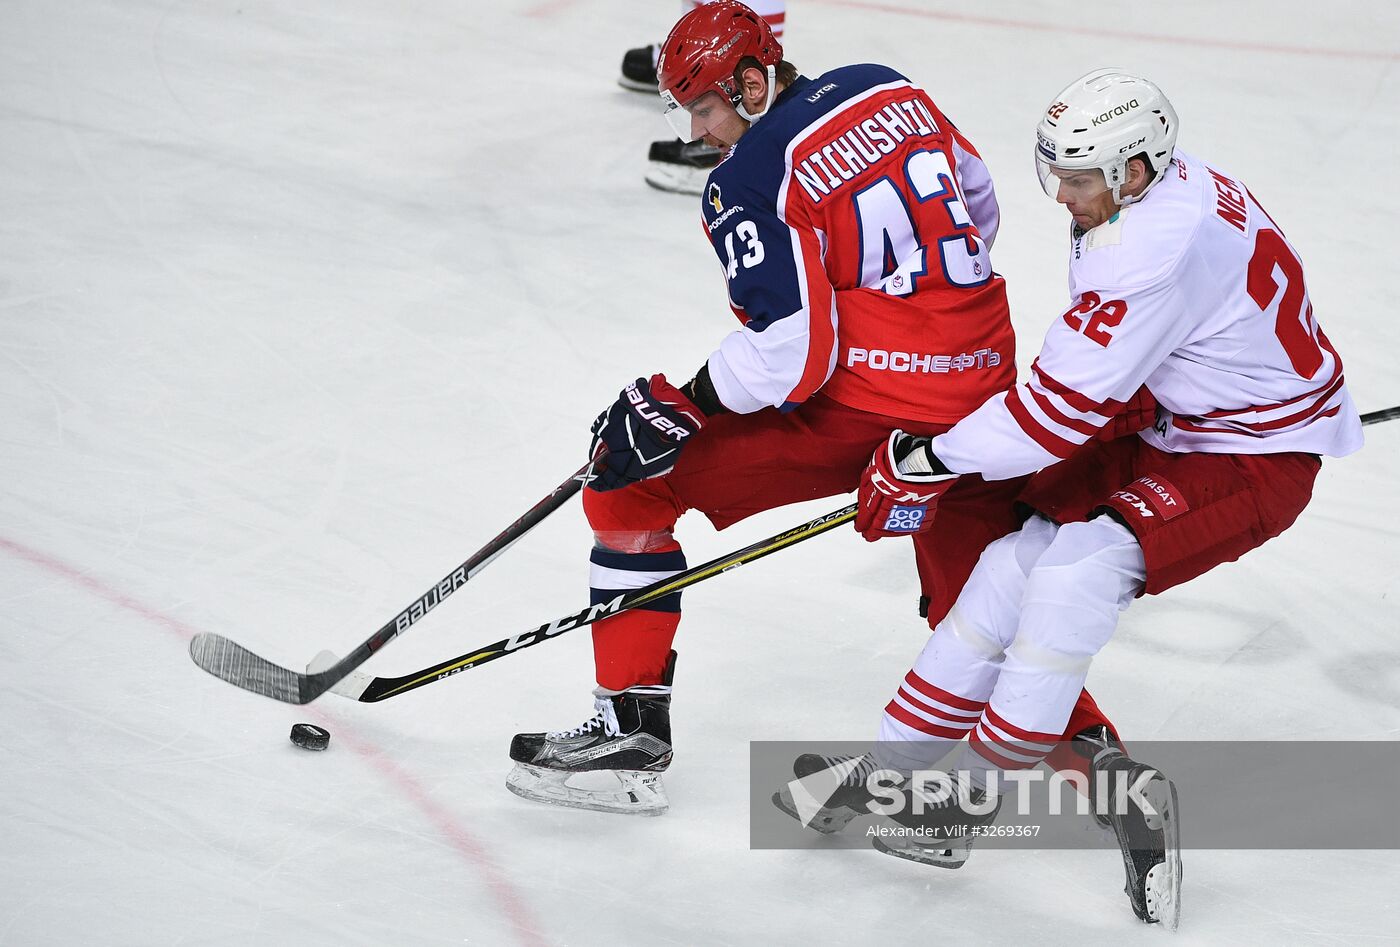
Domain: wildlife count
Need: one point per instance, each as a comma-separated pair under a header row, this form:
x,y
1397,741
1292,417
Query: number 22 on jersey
x,y
1296,329
1295,326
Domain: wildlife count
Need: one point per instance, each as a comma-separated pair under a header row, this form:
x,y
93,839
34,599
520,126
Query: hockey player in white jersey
x,y
1179,281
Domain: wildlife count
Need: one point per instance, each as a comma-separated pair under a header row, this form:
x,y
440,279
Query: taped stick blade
x,y
242,668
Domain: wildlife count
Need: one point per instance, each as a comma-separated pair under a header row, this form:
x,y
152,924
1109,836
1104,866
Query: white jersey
x,y
1194,292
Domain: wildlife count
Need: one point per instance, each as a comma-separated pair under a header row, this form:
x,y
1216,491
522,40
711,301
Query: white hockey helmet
x,y
1100,121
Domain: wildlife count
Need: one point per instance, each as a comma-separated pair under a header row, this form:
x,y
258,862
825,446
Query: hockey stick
x,y
242,668
239,666
366,688
369,689
1384,414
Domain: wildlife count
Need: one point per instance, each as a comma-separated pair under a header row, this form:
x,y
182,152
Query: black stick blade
x,y
242,668
1386,414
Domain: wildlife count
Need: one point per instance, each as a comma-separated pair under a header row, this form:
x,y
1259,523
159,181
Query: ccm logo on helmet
x,y
1131,145
1116,111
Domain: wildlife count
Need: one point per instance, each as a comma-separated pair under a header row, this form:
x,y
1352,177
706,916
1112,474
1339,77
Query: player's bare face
x,y
1086,195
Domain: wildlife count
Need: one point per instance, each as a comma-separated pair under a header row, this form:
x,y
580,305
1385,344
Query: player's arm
x,y
1095,358
786,349
1091,371
975,181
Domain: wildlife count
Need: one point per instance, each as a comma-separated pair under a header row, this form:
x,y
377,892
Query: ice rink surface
x,y
300,303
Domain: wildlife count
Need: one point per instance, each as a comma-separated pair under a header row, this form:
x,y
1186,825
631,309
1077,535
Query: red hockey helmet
x,y
703,50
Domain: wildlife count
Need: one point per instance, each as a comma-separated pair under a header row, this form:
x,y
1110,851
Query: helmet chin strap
x,y
1120,177
1124,200
767,102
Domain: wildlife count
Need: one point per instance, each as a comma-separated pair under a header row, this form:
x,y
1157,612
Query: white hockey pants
x,y
1006,665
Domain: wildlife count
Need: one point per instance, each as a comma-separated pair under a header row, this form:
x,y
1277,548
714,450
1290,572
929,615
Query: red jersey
x,y
854,224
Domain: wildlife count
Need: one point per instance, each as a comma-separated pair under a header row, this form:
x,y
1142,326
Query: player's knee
x,y
634,540
648,504
980,633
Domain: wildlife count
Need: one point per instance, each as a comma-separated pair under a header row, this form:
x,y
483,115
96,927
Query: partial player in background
x,y
1179,280
853,224
677,165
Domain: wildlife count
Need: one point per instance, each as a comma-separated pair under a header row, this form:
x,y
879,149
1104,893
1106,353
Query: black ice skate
x,y
1150,841
627,743
639,70
681,167
942,834
828,793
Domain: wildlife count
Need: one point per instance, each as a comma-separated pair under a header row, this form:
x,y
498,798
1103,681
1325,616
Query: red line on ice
x,y
120,599
1006,23
549,8
511,903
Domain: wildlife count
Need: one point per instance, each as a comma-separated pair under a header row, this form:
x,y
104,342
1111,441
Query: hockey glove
x,y
900,488
642,434
1139,413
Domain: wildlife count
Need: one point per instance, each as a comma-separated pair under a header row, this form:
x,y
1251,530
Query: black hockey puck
x,y
308,736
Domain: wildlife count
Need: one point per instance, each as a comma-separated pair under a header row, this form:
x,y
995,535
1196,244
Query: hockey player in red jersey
x,y
853,223
1179,281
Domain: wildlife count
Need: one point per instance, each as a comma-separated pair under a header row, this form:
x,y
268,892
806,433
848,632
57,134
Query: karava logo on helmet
x,y
1116,111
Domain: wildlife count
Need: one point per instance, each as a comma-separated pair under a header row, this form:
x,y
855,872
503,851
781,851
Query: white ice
x,y
300,303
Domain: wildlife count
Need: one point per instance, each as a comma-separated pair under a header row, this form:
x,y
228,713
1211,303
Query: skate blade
x,y
825,821
639,792
1160,896
953,855
677,179
1162,887
632,85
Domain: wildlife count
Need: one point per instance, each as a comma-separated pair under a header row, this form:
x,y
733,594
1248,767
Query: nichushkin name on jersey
x,y
861,145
